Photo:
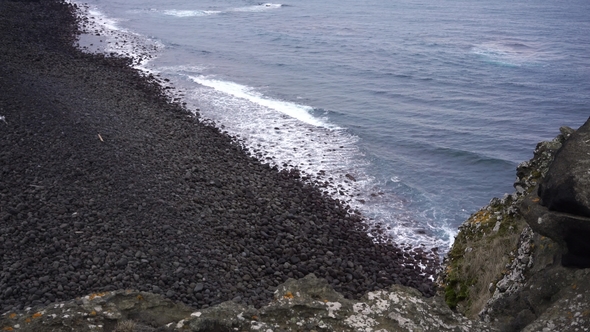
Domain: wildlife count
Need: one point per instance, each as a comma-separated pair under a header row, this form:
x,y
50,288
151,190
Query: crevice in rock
x,y
578,246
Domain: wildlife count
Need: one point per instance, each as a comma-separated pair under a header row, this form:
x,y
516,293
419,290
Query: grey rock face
x,y
476,266
544,289
570,231
514,278
560,209
539,289
566,187
551,298
570,311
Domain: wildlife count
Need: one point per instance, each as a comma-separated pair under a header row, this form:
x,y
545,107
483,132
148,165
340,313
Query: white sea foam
x,y
287,135
190,13
102,20
108,37
282,133
402,223
299,112
513,53
258,8
197,13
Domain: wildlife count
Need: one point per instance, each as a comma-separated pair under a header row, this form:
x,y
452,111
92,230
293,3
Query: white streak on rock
x,y
333,306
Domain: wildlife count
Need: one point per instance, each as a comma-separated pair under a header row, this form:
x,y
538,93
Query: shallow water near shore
x,y
414,113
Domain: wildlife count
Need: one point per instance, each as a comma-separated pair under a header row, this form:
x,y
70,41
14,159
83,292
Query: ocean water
x,y
414,112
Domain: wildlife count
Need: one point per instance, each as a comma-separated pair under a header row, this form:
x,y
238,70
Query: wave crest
x,y
189,13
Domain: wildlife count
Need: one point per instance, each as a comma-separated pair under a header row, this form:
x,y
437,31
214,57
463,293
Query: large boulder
x,y
560,208
566,187
570,231
487,241
547,297
507,273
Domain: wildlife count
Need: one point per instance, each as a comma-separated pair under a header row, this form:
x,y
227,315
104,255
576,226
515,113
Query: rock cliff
x,y
520,263
307,304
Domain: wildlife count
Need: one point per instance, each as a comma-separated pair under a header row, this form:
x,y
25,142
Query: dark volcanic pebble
x,y
106,185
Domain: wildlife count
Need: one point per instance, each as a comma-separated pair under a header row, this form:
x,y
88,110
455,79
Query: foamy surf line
x,y
182,13
281,133
102,34
299,112
328,155
189,13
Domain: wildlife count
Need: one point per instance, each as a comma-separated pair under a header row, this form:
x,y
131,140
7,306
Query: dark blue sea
x,y
416,112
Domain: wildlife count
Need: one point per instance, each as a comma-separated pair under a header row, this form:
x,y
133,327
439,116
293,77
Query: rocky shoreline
x,y
121,211
107,185
307,304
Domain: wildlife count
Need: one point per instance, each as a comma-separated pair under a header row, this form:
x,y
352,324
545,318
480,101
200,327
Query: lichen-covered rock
x,y
98,312
551,298
547,295
516,281
490,245
308,304
481,251
527,286
570,312
515,275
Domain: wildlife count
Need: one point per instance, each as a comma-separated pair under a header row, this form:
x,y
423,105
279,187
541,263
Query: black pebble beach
x,y
105,184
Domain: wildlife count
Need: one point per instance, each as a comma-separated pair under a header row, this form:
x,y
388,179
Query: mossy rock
x,y
487,241
479,255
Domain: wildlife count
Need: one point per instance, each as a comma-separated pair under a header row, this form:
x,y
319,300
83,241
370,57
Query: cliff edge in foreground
x,y
307,304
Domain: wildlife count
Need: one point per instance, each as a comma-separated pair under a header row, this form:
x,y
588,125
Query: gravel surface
x,y
106,185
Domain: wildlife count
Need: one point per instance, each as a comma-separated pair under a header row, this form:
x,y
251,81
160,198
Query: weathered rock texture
x,y
508,269
566,187
487,242
308,304
560,209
